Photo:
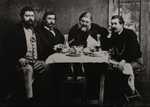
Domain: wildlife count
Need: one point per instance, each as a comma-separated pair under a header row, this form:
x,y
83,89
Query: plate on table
x,y
73,55
65,50
89,54
95,54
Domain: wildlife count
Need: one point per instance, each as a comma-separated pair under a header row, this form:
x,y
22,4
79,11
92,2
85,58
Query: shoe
x,y
93,101
69,77
133,97
80,77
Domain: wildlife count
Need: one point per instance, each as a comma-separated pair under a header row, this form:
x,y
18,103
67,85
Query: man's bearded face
x,y
85,23
29,19
50,21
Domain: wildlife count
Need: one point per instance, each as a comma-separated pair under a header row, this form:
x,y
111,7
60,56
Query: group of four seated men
x,y
30,45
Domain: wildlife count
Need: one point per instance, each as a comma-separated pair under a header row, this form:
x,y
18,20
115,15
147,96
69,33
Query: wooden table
x,y
63,58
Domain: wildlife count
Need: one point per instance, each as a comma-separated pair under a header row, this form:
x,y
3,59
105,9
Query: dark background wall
x,y
67,11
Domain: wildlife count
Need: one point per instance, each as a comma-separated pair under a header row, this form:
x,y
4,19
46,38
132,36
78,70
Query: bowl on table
x,y
73,51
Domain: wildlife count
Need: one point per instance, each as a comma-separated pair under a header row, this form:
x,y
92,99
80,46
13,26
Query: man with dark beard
x,y
79,33
23,48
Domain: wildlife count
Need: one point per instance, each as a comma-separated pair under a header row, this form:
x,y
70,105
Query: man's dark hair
x,y
24,9
48,13
120,18
85,14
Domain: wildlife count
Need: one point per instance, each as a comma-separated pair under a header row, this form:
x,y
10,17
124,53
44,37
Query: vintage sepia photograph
x,y
75,53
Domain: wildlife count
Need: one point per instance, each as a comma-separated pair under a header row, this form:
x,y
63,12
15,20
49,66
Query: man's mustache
x,y
51,24
30,21
84,26
112,29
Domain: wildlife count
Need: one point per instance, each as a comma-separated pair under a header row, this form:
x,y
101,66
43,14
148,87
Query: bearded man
x,y
23,49
89,35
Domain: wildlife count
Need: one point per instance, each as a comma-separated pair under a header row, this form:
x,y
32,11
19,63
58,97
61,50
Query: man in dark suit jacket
x,y
51,37
52,41
125,49
24,54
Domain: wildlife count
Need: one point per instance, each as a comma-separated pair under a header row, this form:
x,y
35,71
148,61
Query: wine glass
x,y
66,40
98,43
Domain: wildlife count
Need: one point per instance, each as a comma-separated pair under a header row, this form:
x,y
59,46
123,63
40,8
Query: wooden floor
x,y
75,99
145,102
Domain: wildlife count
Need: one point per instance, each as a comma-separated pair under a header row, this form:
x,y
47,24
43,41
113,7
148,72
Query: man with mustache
x,y
124,49
24,51
88,35
52,40
51,37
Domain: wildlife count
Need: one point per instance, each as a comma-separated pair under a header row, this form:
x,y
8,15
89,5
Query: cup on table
x,y
66,40
78,49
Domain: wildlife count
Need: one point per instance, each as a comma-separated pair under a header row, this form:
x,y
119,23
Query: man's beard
x,y
51,25
29,24
84,28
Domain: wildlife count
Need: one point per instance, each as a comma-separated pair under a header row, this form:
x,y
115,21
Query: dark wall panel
x,y
145,34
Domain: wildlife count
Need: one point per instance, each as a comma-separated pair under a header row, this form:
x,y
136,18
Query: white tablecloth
x,y
62,58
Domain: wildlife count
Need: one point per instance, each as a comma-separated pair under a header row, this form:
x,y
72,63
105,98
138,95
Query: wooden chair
x,y
72,82
138,70
101,90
